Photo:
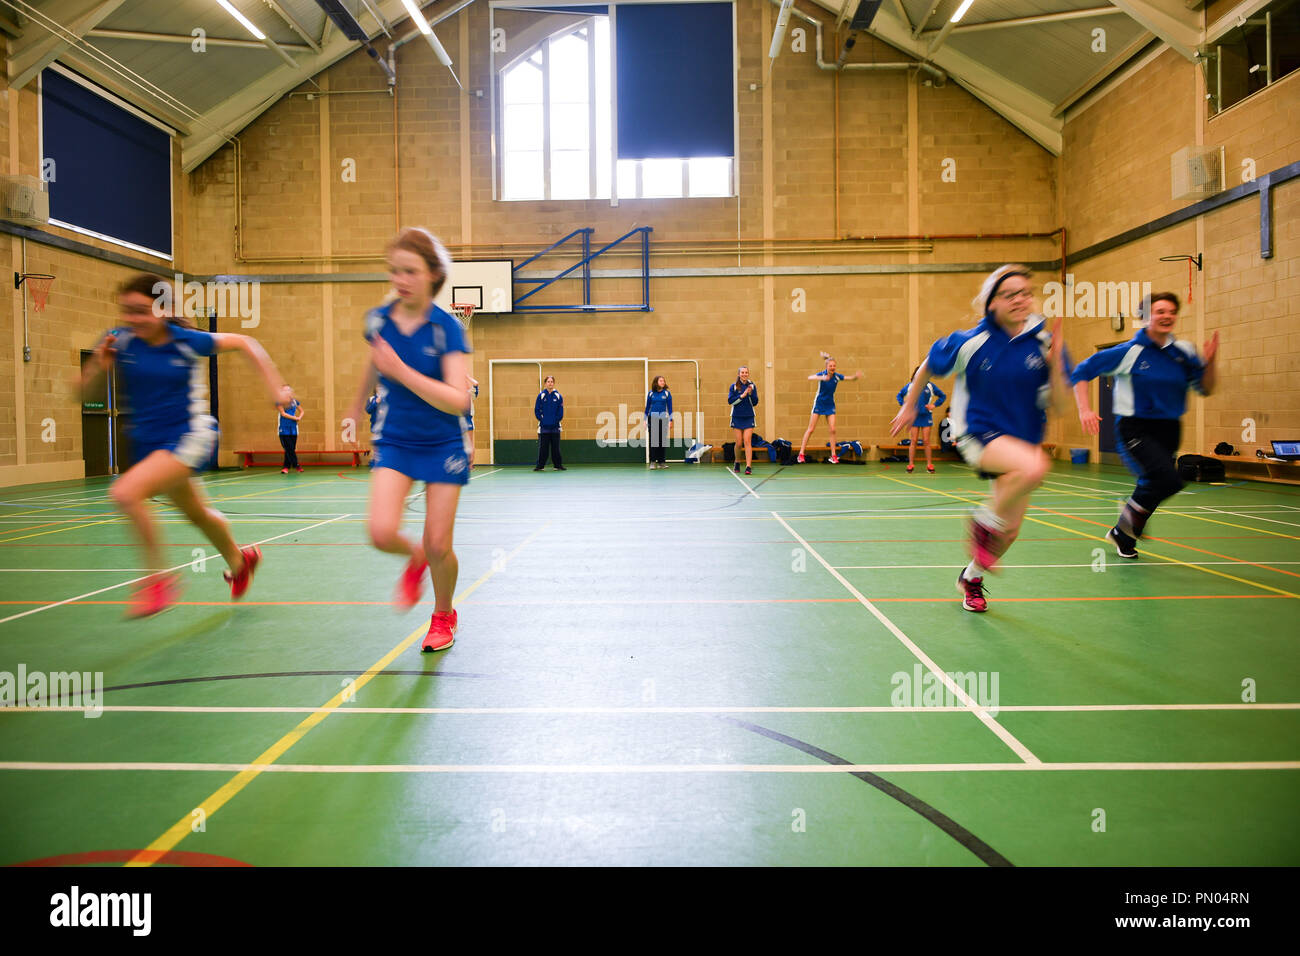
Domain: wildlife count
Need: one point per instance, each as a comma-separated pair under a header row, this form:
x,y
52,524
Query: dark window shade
x,y
112,170
676,80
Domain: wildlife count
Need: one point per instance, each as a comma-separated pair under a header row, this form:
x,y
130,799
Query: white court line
x,y
482,474
736,475
620,711
63,570
956,690
647,768
1109,565
112,587
1289,524
98,494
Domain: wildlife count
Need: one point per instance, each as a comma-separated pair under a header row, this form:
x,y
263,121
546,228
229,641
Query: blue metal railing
x,y
584,264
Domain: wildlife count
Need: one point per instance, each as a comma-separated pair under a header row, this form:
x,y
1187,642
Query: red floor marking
x,y
168,858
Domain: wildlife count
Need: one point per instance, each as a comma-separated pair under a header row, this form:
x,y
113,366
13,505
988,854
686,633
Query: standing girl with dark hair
x,y
290,416
742,396
930,399
165,374
659,421
417,353
1008,370
1152,372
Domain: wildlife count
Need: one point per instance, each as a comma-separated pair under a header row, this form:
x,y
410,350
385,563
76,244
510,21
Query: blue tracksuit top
x,y
658,403
933,395
549,411
1002,382
742,409
1150,381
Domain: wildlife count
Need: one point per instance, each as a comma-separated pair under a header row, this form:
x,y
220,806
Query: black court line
x,y
947,824
352,673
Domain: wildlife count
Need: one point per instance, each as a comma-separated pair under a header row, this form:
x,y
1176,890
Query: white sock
x,y
985,516
972,572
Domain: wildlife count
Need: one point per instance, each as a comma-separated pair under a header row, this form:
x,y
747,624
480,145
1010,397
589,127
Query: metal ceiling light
x,y
248,24
778,35
422,25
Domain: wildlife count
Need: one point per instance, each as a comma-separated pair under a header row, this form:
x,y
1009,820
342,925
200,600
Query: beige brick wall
x,y
1005,183
1113,181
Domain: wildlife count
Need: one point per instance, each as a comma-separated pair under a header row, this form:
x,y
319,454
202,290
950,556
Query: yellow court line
x,y
95,493
1083,534
1229,524
182,828
76,527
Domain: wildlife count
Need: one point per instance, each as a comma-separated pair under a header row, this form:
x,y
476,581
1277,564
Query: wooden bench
x,y
248,458
1049,447
936,452
1260,469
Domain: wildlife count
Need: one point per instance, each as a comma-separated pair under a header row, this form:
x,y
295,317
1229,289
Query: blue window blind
x,y
112,170
676,80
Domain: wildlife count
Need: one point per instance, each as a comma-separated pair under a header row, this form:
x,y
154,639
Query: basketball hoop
x,y
39,284
463,311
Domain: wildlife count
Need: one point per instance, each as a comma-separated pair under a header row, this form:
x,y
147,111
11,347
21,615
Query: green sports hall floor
x,y
676,667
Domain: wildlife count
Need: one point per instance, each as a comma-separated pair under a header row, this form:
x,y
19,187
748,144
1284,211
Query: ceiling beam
x,y
1170,20
1030,21
1113,64
227,118
186,39
1025,110
293,24
47,45
157,106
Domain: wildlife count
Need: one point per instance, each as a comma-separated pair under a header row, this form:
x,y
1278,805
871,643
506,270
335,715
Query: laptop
x,y
1287,450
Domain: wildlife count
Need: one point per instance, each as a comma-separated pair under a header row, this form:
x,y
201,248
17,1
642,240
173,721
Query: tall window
x,y
1252,54
557,133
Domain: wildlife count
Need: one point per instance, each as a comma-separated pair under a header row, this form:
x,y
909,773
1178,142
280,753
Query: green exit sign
x,y
92,406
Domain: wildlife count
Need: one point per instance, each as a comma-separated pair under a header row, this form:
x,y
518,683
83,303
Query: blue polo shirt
x,y
404,418
166,385
1150,381
1002,383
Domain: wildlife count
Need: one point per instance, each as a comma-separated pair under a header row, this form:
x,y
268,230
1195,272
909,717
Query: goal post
x,y
604,402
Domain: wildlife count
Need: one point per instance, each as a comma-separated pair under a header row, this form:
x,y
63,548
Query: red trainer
x,y
930,469
239,582
985,545
911,468
972,590
411,585
152,597
442,631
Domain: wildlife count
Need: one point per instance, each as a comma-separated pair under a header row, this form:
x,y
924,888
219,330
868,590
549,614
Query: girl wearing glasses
x,y
1008,370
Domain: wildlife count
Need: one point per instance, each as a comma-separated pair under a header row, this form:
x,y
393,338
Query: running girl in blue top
x,y
417,353
659,421
931,398
742,396
1152,372
164,369
824,404
1008,370
290,416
